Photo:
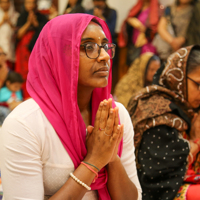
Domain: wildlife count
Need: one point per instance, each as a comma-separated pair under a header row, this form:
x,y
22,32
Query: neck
x,y
146,4
84,98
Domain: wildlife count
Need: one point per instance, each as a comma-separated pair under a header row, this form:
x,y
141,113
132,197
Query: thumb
x,y
90,129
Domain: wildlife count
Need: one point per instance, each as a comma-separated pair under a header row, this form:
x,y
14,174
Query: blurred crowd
x,y
150,32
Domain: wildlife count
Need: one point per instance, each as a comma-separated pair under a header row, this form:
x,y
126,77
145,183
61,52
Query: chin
x,y
102,85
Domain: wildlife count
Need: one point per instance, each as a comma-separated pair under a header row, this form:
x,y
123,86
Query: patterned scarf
x,y
151,106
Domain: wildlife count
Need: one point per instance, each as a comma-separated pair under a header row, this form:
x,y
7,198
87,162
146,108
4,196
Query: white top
x,y
34,163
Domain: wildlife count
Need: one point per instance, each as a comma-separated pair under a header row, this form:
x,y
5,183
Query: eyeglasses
x,y
194,82
93,50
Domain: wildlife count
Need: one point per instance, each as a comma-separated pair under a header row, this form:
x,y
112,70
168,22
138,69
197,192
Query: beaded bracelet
x,y
79,181
95,178
196,142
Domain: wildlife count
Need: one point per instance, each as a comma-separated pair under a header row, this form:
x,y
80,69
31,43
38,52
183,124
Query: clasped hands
x,y
103,139
32,19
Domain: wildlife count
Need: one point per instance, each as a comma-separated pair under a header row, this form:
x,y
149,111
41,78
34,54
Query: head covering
x,y
153,19
53,80
153,105
133,80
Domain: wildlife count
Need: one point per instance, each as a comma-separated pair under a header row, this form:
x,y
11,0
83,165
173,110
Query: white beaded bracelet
x,y
80,182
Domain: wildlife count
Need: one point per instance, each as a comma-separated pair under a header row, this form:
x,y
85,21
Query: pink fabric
x,y
142,17
52,82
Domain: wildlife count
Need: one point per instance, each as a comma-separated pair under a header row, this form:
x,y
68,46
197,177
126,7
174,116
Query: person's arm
x,y
4,20
22,31
123,181
137,24
162,31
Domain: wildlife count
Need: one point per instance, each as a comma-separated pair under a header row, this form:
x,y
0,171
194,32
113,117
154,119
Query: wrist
x,y
115,161
94,162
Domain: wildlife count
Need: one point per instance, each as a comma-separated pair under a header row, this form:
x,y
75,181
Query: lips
x,y
102,69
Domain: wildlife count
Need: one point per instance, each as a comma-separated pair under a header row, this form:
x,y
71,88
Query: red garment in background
x,y
22,58
153,20
193,192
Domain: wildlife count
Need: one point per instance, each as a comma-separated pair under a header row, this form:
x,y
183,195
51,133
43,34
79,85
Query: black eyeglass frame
x,y
194,82
99,51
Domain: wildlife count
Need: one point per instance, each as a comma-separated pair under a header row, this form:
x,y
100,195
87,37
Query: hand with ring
x,y
103,139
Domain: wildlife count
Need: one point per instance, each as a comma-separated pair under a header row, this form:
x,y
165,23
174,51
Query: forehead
x,y
93,30
4,1
29,1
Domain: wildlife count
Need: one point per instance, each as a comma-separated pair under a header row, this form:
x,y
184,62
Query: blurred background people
x,y
139,29
53,12
193,31
74,6
29,24
103,11
8,20
139,75
172,28
10,94
3,68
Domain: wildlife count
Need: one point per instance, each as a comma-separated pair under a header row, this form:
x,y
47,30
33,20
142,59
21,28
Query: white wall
x,y
122,7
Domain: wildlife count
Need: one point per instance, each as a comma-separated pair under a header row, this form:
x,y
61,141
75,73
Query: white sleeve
x,y
128,153
21,165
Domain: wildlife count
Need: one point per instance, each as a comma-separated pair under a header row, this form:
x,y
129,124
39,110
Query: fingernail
x,y
105,103
118,127
101,104
111,110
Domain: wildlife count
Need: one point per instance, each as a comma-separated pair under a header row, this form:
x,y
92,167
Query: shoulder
x,y
26,116
122,110
27,121
3,89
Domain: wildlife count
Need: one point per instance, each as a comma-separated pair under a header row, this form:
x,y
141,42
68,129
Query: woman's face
x,y
5,5
193,88
154,65
185,1
72,2
99,3
30,5
93,73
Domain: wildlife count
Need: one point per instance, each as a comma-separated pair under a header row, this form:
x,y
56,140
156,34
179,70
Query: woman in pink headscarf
x,y
67,139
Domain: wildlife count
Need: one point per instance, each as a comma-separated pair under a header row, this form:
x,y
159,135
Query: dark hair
x,y
14,77
78,2
154,57
96,21
192,2
193,62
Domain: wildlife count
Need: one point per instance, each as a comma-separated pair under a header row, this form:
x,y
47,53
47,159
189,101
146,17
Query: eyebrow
x,y
86,39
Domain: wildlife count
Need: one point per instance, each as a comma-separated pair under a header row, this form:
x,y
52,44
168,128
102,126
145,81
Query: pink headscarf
x,y
53,80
